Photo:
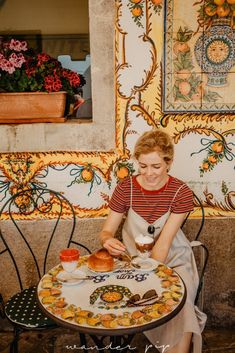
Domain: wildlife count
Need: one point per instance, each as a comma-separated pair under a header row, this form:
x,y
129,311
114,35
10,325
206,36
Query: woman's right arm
x,y
108,241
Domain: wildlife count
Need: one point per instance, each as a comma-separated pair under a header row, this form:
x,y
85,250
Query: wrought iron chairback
x,y
37,203
196,244
199,204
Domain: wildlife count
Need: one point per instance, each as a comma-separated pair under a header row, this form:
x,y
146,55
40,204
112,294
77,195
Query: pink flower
x,y
24,46
7,66
17,45
17,59
22,69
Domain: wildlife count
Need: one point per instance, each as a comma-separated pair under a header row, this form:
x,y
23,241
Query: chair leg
x,y
2,311
83,342
14,343
51,343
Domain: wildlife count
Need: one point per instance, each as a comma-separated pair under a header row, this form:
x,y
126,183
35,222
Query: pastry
x,y
48,300
93,321
85,313
67,314
101,261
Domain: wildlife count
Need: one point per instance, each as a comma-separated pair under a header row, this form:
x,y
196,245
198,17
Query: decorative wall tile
x,y
146,73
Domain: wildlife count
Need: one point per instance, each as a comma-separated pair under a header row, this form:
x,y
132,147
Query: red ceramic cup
x,y
69,259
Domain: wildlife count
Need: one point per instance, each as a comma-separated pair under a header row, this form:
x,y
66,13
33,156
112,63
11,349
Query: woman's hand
x,y
114,246
108,241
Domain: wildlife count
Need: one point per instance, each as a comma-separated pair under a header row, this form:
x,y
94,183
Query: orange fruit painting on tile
x,y
87,174
217,147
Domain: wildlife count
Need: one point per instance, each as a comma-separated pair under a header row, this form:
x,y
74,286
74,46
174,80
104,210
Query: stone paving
x,y
66,341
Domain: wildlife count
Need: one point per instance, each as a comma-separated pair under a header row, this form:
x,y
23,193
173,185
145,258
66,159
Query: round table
x,y
103,304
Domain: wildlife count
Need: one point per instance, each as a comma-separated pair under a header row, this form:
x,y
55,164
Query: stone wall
x,y
219,280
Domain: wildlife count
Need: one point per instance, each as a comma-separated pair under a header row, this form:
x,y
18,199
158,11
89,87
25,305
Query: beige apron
x,y
181,258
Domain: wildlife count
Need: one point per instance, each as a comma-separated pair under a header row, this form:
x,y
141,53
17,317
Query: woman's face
x,y
153,170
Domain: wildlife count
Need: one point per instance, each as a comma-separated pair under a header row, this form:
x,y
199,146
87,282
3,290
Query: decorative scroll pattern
x,y
205,146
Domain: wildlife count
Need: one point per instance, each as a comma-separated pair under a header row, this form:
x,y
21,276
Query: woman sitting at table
x,y
156,203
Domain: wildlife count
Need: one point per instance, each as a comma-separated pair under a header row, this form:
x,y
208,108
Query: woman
x,y
156,204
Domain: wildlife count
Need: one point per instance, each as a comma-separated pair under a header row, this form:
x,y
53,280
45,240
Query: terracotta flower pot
x,y
30,107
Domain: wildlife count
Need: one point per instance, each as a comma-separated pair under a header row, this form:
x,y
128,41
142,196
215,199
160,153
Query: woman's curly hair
x,y
155,140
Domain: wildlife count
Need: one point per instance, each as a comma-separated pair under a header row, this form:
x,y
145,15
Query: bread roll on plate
x,y
101,261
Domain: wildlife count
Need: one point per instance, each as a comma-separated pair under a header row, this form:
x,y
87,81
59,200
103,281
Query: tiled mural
x,y
199,57
150,87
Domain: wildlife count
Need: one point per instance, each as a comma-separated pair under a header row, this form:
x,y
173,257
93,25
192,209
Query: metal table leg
x,y
113,344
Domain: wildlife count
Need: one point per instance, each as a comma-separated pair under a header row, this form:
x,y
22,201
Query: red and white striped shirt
x,y
152,204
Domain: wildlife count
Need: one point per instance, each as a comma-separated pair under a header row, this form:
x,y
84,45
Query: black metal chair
x,y
22,309
202,257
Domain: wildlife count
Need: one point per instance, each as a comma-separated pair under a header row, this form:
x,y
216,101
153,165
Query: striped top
x,y
152,204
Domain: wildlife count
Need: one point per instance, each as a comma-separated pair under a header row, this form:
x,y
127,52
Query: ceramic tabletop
x,y
126,300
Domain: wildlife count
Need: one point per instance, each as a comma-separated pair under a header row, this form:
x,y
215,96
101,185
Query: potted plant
x,y
27,78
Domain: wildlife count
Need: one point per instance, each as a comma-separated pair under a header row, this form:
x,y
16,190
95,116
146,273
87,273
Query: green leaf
x,y
210,96
177,65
